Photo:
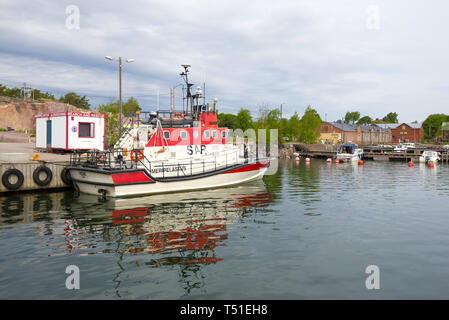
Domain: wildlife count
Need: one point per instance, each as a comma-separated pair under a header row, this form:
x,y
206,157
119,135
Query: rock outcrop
x,y
19,114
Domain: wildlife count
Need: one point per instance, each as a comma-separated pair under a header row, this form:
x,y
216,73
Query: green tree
x,y
391,117
227,120
352,117
39,95
310,126
11,92
283,130
268,119
244,120
130,107
75,100
365,120
111,111
432,125
294,127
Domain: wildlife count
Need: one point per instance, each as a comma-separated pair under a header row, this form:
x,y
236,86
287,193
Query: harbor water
x,y
308,232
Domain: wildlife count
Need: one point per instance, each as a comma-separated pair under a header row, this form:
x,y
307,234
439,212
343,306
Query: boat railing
x,y
119,159
190,168
110,159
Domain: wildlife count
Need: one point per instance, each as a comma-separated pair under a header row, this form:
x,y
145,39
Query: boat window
x,y
167,134
206,134
214,134
347,149
183,135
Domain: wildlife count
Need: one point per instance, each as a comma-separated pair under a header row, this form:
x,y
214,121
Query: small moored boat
x,y
429,156
349,152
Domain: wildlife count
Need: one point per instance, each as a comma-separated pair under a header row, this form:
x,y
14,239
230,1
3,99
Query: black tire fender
x,y
37,178
65,176
7,174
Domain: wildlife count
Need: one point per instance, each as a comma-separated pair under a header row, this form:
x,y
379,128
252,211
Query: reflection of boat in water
x,y
179,232
190,224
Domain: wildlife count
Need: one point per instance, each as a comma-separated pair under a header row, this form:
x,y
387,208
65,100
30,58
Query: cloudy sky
x,y
338,56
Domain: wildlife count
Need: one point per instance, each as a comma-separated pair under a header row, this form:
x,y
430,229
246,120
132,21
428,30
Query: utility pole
x,y
120,94
25,90
171,99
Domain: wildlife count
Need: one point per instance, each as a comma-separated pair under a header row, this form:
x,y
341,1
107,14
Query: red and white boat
x,y
168,152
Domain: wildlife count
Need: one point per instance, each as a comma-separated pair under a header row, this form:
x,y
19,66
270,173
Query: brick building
x,y
405,132
338,132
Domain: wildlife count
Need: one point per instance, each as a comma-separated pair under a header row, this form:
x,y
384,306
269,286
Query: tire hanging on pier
x,y
65,176
36,176
12,172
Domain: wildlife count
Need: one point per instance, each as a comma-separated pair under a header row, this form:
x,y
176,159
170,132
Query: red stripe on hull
x,y
250,167
130,177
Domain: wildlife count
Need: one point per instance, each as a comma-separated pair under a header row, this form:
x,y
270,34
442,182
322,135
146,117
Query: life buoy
x,y
136,155
12,172
37,178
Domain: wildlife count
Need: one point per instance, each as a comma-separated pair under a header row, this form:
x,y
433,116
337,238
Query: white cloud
x,y
293,52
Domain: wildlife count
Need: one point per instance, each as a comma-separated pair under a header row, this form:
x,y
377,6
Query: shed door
x,y
48,133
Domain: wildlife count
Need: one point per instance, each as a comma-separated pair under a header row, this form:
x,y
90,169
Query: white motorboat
x,y
168,152
429,156
403,147
349,152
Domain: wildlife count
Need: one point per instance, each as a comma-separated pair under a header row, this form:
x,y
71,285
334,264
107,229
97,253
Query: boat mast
x,y
184,76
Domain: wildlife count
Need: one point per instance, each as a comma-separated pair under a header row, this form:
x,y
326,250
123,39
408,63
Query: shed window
x,y
86,130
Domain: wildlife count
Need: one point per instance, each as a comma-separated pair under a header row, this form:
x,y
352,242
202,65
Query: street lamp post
x,y
120,88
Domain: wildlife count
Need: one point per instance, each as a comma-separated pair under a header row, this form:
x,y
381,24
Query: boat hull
x,y
139,182
350,157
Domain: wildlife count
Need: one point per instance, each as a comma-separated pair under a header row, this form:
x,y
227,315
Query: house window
x,y
183,135
207,134
167,134
86,129
223,134
214,134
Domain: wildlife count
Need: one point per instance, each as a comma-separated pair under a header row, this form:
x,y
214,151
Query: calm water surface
x,y
307,232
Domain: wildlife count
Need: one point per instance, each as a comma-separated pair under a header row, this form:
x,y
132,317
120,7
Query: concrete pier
x,y
27,169
18,157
